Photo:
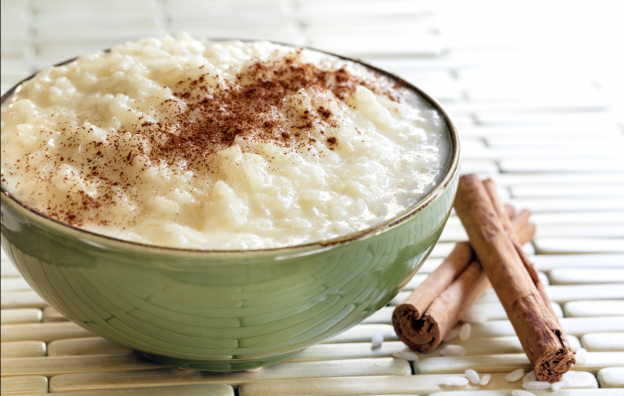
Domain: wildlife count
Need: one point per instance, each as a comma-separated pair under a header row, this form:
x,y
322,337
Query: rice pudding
x,y
219,145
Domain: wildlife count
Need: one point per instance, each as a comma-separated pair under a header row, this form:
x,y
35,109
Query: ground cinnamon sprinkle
x,y
247,108
207,114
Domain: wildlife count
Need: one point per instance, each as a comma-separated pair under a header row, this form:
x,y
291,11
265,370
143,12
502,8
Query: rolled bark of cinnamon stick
x,y
520,219
436,305
490,187
526,232
440,279
427,332
510,210
538,329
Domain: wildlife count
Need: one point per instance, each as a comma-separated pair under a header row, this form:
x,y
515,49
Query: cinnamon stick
x,y
509,271
427,332
440,279
511,211
436,305
520,219
526,232
490,187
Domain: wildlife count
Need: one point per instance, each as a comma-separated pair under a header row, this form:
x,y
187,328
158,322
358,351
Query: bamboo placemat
x,y
531,117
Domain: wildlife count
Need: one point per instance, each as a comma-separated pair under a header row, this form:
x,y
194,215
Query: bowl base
x,y
217,365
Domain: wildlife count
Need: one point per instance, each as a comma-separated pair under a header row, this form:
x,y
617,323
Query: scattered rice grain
x,y
455,381
558,385
529,377
464,332
535,385
377,339
453,350
407,355
515,375
472,376
451,335
485,379
519,392
581,356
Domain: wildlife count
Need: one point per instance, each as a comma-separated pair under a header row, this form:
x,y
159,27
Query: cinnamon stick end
x,y
422,335
551,367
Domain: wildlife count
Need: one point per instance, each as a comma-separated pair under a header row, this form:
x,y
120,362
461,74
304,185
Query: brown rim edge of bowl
x,y
453,168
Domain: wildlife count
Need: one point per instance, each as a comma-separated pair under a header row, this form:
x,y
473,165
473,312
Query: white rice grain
x,y
529,377
407,355
485,379
451,335
377,339
535,385
453,350
519,392
472,376
558,385
581,356
464,332
515,375
455,381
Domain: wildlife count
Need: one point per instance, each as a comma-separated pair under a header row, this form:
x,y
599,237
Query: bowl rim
x,y
401,217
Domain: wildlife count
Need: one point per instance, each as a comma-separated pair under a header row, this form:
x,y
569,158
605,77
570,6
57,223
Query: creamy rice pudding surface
x,y
219,145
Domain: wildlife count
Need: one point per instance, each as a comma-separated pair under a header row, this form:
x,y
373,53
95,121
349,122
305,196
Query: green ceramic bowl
x,y
224,310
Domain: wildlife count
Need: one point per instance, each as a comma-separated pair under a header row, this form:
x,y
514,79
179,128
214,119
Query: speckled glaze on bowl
x,y
224,310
